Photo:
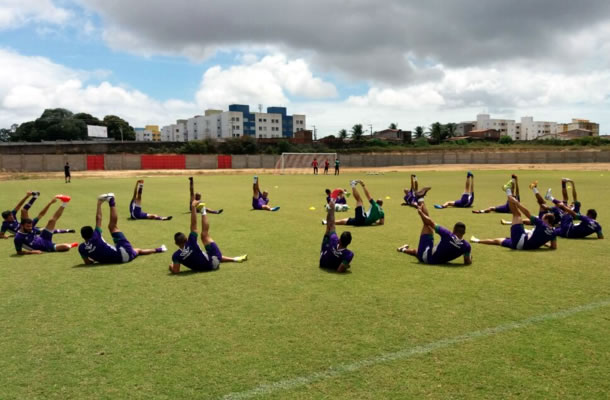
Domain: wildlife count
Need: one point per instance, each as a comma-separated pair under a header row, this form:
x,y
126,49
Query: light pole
x,y
315,136
371,126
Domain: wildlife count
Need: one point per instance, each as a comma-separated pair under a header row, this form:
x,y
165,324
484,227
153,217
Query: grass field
x,y
513,324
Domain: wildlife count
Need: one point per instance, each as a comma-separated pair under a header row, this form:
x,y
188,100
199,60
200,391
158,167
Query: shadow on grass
x,y
189,272
330,271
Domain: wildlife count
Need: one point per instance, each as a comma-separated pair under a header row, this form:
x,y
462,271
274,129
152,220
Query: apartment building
x,y
504,126
579,124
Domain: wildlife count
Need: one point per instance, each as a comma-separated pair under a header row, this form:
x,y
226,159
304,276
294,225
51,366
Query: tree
x,y
451,128
342,134
88,119
393,125
118,128
357,132
419,131
437,132
5,135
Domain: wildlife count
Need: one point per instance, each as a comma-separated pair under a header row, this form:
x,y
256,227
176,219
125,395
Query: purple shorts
x,y
516,239
124,247
465,201
359,217
212,250
48,244
504,209
136,211
567,222
426,243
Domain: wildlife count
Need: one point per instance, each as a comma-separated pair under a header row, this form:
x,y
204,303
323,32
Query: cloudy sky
x,y
341,62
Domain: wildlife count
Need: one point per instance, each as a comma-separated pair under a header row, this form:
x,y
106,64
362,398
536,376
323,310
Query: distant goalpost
x,y
301,163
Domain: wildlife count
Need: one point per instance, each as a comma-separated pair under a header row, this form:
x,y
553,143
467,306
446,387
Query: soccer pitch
x,y
530,324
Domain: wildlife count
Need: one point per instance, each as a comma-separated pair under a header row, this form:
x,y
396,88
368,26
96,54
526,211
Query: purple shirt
x,y
29,241
449,248
331,256
11,227
586,227
98,250
192,257
542,233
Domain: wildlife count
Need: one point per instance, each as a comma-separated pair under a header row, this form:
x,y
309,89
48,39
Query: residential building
x,y
576,124
174,132
143,135
528,129
156,133
504,126
463,128
393,135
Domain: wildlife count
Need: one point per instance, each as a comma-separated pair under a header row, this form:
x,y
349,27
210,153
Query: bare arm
x,y
366,192
467,259
381,221
174,268
566,209
192,188
28,252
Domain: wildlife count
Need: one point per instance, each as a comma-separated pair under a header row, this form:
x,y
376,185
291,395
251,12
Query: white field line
x,y
407,353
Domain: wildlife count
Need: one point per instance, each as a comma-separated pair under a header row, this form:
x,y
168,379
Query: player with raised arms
x,y
260,200
197,196
451,246
95,249
467,197
542,235
10,224
567,229
28,242
190,254
413,194
135,206
334,255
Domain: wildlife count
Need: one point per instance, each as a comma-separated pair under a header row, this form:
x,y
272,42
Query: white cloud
x,y
16,13
267,81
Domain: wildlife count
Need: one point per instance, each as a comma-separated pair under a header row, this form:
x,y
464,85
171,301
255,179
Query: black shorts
x,y
359,217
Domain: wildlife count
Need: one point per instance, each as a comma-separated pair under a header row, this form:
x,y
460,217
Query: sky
x,y
340,62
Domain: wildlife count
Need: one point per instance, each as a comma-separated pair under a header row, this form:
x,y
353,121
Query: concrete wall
x,y
78,162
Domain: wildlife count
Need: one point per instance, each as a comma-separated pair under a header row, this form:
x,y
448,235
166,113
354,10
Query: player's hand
x,y
195,203
36,252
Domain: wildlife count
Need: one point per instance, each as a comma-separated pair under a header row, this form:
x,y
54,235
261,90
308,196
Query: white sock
x,y
509,192
64,205
203,211
535,190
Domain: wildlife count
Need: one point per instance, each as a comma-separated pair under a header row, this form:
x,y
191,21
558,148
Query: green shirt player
x,y
374,215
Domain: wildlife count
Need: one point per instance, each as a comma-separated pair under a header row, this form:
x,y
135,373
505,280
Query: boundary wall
x,y
125,161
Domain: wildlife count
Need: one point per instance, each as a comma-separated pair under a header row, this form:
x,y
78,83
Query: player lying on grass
x,y
413,194
467,197
542,235
339,197
567,229
135,206
334,255
451,246
28,242
260,200
504,208
197,196
375,214
544,208
190,254
10,224
95,248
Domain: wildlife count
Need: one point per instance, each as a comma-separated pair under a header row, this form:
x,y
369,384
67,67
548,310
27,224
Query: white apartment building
x,y
268,125
298,123
528,129
143,135
174,132
504,126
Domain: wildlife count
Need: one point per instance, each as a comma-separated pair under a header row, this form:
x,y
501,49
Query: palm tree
x,y
342,134
419,132
437,132
393,125
357,132
450,129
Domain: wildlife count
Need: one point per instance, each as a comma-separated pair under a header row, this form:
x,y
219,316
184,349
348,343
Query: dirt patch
x,y
400,168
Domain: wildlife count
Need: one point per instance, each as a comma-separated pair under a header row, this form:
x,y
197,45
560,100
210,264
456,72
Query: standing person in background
x,y
337,163
314,164
326,164
67,175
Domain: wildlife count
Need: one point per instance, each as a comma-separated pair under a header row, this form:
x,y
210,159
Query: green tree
x,y
117,127
88,119
393,125
451,129
419,132
342,134
357,132
437,132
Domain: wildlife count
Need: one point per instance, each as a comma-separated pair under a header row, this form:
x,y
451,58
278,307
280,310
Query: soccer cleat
x,y
507,186
105,196
63,197
323,222
276,208
353,183
513,176
548,195
168,218
241,258
534,184
73,245
220,211
469,175
478,211
346,194
564,180
191,178
438,206
474,239
70,231
402,248
163,247
505,222
255,179
35,194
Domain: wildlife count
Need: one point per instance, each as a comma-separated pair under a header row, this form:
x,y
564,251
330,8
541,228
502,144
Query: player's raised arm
x,y
366,192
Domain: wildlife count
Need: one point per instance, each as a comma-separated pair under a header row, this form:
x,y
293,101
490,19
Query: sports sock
x,y
535,190
161,249
64,204
111,202
30,202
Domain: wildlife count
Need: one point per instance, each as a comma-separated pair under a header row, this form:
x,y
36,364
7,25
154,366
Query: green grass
x,y
134,331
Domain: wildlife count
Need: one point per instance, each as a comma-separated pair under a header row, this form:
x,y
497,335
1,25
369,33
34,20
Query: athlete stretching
x,y
260,200
412,195
197,196
467,197
190,254
542,234
10,224
375,215
95,248
135,206
28,242
504,208
588,225
451,246
334,255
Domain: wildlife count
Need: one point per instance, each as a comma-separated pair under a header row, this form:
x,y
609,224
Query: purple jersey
x,y
258,203
449,248
12,226
587,226
331,257
542,234
98,250
192,257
